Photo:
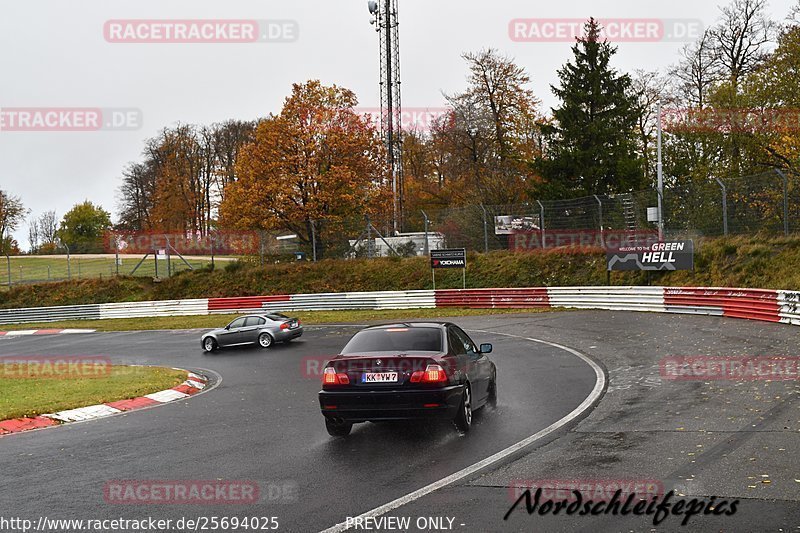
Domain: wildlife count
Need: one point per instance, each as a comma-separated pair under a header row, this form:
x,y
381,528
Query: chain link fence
x,y
762,204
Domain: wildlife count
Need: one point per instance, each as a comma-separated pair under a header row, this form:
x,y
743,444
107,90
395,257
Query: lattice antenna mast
x,y
387,24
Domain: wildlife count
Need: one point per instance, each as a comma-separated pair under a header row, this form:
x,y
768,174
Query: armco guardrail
x,y
754,304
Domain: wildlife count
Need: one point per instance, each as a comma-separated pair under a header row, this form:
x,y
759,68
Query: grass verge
x,y
307,317
23,392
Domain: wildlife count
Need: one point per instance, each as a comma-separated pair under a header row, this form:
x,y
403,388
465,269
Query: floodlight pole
x,y
660,166
385,19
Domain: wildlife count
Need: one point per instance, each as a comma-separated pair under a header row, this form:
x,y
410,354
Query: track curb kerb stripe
x,y
193,384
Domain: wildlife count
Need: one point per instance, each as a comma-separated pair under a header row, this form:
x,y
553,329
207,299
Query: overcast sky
x,y
55,54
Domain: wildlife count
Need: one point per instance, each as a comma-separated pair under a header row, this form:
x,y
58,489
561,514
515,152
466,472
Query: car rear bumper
x,y
363,406
288,334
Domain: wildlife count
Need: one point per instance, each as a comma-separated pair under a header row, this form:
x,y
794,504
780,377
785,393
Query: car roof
x,y
412,325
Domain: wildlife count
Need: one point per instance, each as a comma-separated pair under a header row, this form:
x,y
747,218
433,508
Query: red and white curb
x,y
44,332
194,383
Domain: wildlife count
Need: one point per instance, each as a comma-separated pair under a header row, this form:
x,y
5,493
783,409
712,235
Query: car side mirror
x,y
228,327
486,348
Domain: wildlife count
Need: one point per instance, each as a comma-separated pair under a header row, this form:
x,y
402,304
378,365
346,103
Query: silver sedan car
x,y
264,330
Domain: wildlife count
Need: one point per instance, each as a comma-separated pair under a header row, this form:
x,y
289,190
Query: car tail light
x,y
330,377
285,325
432,374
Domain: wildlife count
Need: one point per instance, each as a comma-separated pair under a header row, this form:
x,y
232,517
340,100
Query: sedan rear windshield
x,y
395,340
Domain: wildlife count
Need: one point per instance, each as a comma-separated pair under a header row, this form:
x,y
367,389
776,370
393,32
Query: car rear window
x,y
254,321
395,340
277,317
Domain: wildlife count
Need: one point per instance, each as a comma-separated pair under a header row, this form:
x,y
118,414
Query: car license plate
x,y
379,377
293,325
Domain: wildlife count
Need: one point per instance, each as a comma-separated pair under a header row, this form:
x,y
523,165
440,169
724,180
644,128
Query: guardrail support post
x,y
785,201
724,206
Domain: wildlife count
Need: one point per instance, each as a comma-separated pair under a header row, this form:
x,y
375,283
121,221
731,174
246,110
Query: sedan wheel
x,y
338,429
463,420
265,340
210,344
492,401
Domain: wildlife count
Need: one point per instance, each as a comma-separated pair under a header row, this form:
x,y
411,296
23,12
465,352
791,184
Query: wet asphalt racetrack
x,y
261,422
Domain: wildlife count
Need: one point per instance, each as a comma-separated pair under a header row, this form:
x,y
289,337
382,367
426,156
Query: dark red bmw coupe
x,y
407,371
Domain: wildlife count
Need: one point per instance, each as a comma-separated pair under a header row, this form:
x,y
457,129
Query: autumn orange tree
x,y
317,162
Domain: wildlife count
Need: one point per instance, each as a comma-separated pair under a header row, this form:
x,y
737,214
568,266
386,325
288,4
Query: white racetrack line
x,y
597,391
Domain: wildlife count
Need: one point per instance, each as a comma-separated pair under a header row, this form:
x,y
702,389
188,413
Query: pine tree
x,y
591,144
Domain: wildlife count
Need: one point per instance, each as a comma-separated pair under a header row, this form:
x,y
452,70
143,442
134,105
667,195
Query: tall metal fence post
x,y
369,237
314,240
485,231
69,263
724,205
155,258
785,201
261,247
602,238
211,244
541,223
661,219
169,260
427,248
